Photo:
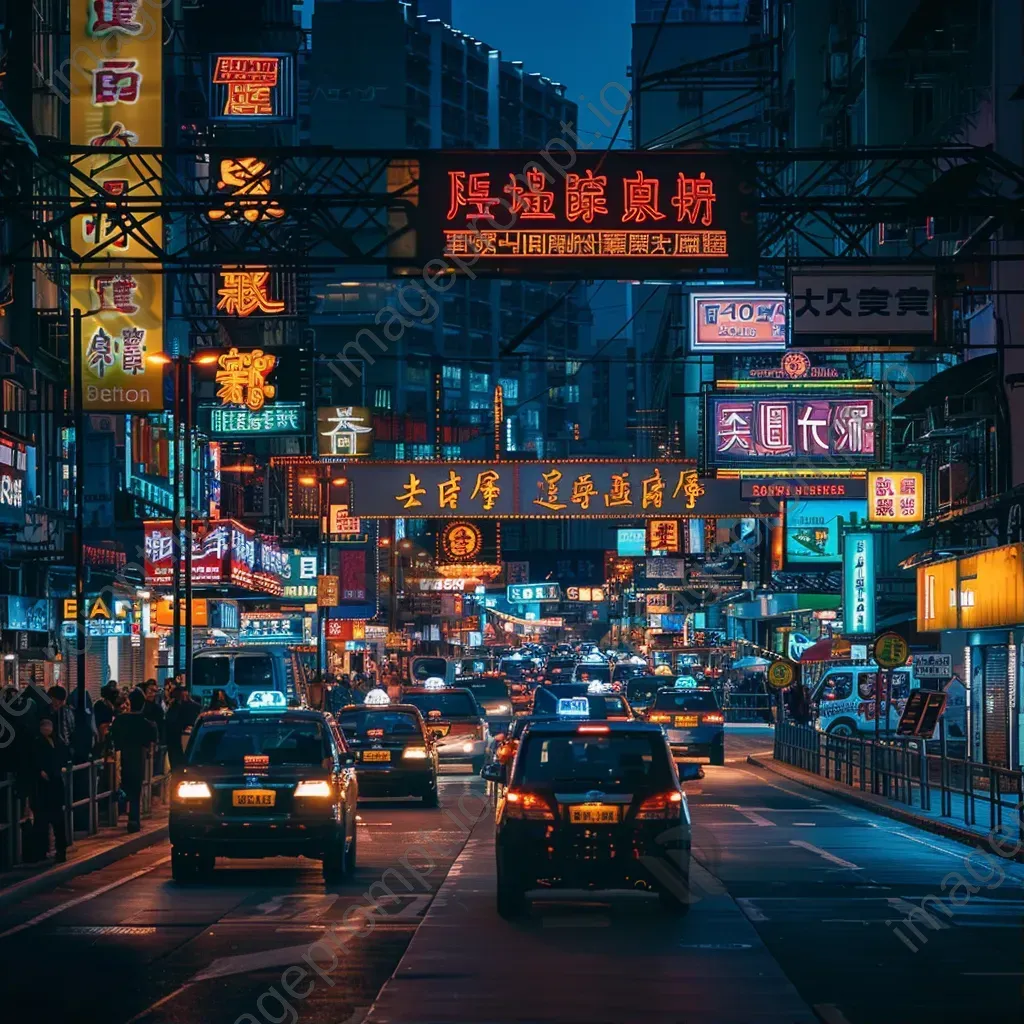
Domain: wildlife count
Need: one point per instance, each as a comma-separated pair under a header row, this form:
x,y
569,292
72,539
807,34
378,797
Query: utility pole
x,y
77,371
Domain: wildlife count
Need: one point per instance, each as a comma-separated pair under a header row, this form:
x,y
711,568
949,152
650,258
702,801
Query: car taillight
x,y
714,718
528,806
592,729
660,719
660,806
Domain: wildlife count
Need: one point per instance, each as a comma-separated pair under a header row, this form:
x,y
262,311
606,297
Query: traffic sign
x,y
933,666
780,674
891,650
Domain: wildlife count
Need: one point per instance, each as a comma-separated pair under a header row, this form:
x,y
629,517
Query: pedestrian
x,y
134,736
62,716
106,710
49,757
220,701
85,733
181,716
153,710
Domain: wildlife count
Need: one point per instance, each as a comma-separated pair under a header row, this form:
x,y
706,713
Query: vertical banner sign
x,y
858,584
117,105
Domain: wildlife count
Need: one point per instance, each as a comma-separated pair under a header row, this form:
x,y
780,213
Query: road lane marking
x,y
908,910
756,818
802,824
824,853
105,929
752,912
781,789
54,911
940,849
160,1002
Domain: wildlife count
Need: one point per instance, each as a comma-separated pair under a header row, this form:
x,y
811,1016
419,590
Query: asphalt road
x,y
807,908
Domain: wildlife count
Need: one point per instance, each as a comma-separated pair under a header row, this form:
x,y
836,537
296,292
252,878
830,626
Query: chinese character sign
x,y
738,321
117,104
241,378
17,480
252,87
895,497
344,430
858,584
863,303
663,535
279,418
619,209
783,428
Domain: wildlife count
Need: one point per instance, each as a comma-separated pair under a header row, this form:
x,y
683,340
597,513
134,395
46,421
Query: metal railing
x,y
903,769
748,707
91,802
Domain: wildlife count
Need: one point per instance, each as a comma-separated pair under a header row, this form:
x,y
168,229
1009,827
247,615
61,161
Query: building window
x,y
479,381
382,398
479,403
531,419
510,436
452,452
400,451
452,376
420,452
509,388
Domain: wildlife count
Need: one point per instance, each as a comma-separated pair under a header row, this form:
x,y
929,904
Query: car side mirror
x,y
493,772
689,771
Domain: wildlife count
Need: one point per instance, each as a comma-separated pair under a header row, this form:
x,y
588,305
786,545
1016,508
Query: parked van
x,y
238,671
845,696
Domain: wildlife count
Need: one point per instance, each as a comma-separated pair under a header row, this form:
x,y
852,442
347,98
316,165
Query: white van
x,y
845,696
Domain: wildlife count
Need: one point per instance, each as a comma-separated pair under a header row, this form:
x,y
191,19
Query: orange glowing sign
x,y
244,292
248,178
242,377
250,83
896,497
461,541
628,207
663,535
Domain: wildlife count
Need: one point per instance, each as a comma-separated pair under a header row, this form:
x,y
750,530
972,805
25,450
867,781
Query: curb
x,y
882,807
59,873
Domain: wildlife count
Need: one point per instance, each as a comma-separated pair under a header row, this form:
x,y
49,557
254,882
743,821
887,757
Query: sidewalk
x,y
85,855
954,827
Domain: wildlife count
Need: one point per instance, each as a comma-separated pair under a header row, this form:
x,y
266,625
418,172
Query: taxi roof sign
x,y
376,698
573,707
267,700
686,683
434,683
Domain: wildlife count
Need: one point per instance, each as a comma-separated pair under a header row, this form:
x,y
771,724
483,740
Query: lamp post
x,y
396,555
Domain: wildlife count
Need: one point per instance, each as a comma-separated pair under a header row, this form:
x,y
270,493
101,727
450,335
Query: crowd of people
x,y
47,733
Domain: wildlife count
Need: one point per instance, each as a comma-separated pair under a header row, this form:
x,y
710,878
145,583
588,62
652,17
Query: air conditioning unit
x,y
954,485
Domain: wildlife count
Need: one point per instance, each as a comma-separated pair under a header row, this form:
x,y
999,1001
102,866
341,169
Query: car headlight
x,y
500,709
467,748
317,787
193,791
417,753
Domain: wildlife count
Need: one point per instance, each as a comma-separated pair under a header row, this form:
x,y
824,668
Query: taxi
x,y
591,805
265,780
693,721
396,754
455,718
602,701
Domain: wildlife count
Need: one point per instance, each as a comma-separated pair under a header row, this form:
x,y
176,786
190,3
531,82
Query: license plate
x,y
376,755
685,721
594,814
253,798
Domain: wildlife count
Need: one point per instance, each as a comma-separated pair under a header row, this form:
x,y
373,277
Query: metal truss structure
x,y
304,208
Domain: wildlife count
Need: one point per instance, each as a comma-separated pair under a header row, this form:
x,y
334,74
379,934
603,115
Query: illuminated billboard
x,y
605,214
116,90
345,430
832,429
814,529
738,321
895,497
852,301
252,87
631,543
858,584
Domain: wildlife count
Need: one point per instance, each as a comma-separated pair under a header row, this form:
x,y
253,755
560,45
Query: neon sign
x,y
242,377
245,292
738,321
506,210
252,87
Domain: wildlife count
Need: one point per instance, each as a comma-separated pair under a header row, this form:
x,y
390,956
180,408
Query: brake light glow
x,y
592,729
314,788
528,806
714,718
660,806
189,790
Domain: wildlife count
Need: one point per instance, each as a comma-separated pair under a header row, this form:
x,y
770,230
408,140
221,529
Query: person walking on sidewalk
x,y
62,716
134,736
181,716
49,756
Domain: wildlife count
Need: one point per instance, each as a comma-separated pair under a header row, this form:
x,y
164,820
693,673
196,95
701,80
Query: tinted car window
x,y
686,700
425,668
623,672
487,687
212,671
285,742
643,689
449,704
838,686
593,673
255,671
383,723
611,762
561,666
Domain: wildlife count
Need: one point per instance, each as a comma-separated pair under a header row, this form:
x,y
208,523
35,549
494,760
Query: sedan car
x,y
492,694
457,722
591,805
396,754
264,781
693,722
603,703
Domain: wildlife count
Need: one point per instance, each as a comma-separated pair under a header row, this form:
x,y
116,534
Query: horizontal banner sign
x,y
738,321
839,302
585,489
226,421
802,490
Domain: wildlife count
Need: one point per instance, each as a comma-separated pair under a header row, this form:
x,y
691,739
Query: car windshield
x,y
643,690
427,668
451,705
685,700
213,671
627,671
254,671
596,673
487,688
374,724
284,741
615,762
560,666
613,705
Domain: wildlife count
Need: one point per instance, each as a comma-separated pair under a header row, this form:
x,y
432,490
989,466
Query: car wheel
x,y
334,861
430,795
718,753
511,895
672,903
184,865
842,729
350,855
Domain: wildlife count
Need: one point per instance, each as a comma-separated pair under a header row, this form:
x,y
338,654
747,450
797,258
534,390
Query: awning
x,y
13,131
829,649
956,381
